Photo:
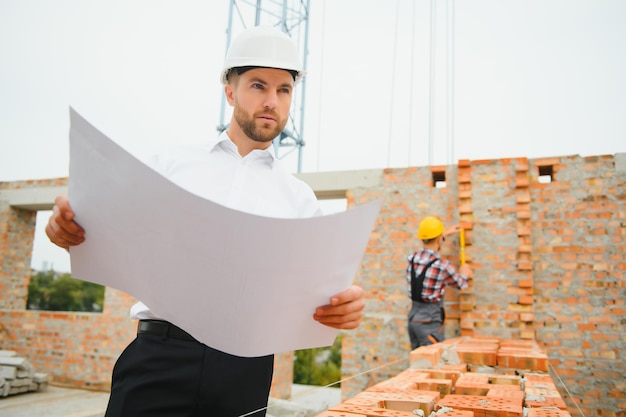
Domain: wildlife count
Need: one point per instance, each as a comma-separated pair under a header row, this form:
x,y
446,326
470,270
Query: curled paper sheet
x,y
243,284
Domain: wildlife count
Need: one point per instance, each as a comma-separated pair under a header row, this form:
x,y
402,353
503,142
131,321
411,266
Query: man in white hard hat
x,y
427,276
165,371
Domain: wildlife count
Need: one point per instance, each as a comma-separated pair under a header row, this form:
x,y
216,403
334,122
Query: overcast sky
x,y
527,78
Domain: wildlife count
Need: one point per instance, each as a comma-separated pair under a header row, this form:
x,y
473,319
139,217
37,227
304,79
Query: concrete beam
x,y
327,185
331,185
32,199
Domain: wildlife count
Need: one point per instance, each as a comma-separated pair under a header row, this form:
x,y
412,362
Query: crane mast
x,y
292,17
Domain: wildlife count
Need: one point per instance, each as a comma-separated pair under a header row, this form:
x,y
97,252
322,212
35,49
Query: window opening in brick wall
x,y
55,291
333,205
51,287
439,179
546,174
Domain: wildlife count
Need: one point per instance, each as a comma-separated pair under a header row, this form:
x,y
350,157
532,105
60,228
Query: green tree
x,y
49,290
38,290
318,366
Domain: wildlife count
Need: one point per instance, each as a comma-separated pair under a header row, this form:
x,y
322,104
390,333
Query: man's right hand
x,y
466,270
61,229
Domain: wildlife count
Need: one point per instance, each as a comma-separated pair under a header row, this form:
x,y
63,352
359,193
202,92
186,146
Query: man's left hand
x,y
344,311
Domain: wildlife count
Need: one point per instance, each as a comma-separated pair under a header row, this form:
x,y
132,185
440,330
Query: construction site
x,y
538,332
546,296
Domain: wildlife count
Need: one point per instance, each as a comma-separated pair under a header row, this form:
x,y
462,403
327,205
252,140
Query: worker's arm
x,y
344,311
61,229
457,278
465,270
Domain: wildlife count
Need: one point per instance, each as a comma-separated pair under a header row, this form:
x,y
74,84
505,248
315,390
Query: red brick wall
x,y
408,195
579,224
500,226
16,245
548,261
75,349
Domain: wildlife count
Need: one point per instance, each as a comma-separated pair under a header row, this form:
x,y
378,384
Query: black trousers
x,y
163,376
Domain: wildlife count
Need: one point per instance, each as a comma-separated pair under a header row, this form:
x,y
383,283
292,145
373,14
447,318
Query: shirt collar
x,y
430,252
226,142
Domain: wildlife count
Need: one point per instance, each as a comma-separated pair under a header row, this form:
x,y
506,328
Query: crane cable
x,y
431,78
321,90
393,84
410,135
566,390
450,82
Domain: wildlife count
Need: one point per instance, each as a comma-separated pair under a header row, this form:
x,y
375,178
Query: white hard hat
x,y
263,46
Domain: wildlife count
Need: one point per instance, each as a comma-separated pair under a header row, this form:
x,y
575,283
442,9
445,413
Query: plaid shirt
x,y
440,274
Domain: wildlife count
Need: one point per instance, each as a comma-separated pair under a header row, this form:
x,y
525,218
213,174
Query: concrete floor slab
x,y
67,402
55,402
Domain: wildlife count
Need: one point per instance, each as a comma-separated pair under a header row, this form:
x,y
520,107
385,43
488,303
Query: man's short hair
x,y
241,70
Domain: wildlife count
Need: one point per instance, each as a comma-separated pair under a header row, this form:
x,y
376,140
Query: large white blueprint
x,y
244,284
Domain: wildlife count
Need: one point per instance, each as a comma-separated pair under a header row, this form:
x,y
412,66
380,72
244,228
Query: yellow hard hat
x,y
430,228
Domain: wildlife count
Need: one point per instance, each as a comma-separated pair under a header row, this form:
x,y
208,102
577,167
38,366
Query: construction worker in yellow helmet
x,y
427,276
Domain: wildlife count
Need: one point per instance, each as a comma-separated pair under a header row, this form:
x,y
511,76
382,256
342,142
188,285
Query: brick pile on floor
x,y
18,376
464,377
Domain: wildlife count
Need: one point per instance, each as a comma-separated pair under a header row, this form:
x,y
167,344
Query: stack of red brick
x,y
464,376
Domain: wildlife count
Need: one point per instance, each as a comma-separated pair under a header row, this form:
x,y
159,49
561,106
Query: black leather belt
x,y
162,328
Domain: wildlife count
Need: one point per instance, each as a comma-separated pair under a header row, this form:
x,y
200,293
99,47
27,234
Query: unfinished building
x,y
545,238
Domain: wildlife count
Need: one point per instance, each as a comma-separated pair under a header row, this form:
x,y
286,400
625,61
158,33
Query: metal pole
x,y
462,244
257,17
303,87
229,34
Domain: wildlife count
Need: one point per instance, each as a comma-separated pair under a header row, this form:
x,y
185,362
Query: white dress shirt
x,y
256,184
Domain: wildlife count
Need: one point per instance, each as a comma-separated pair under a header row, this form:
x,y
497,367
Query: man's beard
x,y
249,127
